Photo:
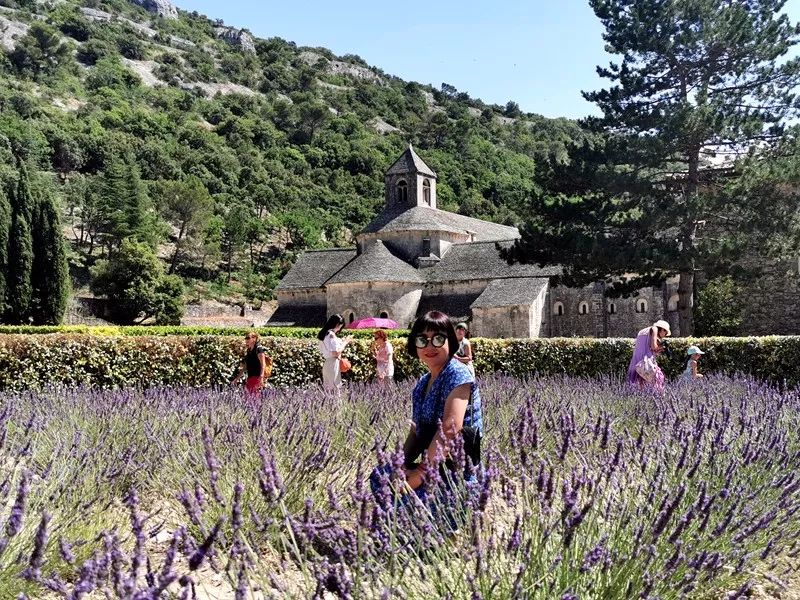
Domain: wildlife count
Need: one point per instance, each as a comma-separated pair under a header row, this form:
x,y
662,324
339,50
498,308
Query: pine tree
x,y
697,79
20,250
50,274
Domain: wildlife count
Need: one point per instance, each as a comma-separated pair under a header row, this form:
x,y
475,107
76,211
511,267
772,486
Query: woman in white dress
x,y
331,348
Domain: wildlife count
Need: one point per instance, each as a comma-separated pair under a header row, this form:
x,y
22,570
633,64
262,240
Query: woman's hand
x,y
415,477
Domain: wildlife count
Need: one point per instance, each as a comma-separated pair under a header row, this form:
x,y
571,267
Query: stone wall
x,y
604,317
408,244
771,303
398,300
302,297
521,321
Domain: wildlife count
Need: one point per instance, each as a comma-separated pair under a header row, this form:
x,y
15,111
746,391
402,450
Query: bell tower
x,y
410,182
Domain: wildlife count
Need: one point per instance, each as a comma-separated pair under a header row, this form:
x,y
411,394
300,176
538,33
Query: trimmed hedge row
x,y
117,361
160,330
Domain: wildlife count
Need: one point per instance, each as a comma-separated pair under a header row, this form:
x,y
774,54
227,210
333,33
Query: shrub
x,y
112,358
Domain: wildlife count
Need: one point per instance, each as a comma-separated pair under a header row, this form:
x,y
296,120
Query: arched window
x,y
426,191
583,308
641,305
402,191
350,316
384,315
558,309
612,308
672,303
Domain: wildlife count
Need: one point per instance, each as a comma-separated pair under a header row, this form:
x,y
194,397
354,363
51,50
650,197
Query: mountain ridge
x,y
288,143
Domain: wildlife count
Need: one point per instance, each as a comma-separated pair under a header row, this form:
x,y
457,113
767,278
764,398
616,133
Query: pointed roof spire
x,y
410,162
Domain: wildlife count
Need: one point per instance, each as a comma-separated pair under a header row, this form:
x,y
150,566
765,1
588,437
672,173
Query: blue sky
x,y
539,53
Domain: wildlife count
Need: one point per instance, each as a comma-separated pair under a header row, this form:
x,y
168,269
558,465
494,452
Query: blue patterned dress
x,y
429,409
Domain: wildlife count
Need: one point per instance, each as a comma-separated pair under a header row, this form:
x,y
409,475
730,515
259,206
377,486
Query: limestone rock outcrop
x,y
236,37
162,8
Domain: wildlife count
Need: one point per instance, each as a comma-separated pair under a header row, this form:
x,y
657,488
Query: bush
x,y
112,358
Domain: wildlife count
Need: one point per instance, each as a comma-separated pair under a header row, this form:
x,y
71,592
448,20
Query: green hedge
x,y
115,361
161,330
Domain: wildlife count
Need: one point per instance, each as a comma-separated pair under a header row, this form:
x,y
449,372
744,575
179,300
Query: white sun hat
x,y
694,350
662,324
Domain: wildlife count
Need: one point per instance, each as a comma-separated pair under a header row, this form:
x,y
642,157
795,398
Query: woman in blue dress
x,y
447,394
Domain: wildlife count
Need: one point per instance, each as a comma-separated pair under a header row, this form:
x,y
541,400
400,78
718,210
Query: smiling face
x,y
250,339
460,333
432,357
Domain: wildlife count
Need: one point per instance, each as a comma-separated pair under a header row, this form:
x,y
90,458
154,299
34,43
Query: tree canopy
x,y
673,179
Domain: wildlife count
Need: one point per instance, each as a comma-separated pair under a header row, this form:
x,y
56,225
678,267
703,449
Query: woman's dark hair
x,y
435,321
333,321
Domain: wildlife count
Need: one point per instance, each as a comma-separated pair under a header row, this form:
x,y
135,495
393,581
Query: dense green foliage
x,y
688,167
136,286
118,360
718,310
34,280
229,186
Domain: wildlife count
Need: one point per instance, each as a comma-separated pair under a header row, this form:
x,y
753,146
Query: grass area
x,y
587,491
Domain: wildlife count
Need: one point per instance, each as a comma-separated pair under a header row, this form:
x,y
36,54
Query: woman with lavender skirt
x,y
645,351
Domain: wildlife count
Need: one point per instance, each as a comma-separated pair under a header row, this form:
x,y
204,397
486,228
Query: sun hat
x,y
662,324
694,350
462,325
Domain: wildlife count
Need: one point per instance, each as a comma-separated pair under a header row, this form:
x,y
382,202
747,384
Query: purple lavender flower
x,y
34,569
14,523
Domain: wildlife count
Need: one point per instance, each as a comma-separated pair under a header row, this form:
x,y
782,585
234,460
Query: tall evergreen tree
x,y
50,274
697,80
125,205
5,232
20,250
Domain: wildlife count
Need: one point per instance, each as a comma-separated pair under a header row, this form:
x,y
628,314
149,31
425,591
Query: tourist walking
x,y
643,369
464,352
331,348
383,353
690,373
255,363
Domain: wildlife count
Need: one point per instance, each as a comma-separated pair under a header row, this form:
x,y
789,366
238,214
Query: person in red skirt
x,y
255,363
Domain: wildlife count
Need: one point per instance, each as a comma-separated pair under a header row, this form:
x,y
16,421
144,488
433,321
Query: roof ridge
x,y
329,250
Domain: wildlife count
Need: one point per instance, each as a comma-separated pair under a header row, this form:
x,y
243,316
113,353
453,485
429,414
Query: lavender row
x,y
588,490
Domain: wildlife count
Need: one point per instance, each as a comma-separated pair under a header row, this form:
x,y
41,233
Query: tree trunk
x,y
686,303
174,260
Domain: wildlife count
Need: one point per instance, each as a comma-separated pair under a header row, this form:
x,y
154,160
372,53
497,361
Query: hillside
x,y
227,153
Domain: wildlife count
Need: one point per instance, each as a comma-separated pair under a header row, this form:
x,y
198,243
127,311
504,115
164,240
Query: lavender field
x,y
588,491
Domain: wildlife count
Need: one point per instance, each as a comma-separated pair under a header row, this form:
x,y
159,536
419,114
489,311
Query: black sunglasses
x,y
422,341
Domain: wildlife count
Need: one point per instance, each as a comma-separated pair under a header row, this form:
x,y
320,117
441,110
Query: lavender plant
x,y
589,490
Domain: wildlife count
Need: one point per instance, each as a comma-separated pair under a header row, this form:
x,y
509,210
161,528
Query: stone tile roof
x,y
425,218
376,263
291,315
481,260
510,292
456,306
409,162
314,267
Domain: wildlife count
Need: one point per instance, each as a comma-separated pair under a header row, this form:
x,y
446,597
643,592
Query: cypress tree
x,y
50,276
20,250
5,230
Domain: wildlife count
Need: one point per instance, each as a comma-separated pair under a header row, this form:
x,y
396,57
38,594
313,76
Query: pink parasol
x,y
373,323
